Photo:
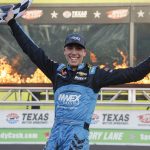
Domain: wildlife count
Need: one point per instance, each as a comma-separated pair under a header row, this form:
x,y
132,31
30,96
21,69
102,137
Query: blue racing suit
x,y
75,92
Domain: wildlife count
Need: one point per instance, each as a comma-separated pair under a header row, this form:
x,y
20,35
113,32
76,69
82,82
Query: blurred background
x,y
117,34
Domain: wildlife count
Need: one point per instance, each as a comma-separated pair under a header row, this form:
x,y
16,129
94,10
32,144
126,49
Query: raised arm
x,y
35,53
120,76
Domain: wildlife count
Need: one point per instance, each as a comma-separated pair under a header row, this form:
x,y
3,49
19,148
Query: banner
x,y
77,15
96,136
78,1
26,118
119,137
86,15
121,119
101,119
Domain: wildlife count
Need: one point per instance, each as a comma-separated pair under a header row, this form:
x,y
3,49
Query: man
x,y
76,86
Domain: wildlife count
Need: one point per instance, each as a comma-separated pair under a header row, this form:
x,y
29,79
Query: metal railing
x,y
108,96
131,94
19,98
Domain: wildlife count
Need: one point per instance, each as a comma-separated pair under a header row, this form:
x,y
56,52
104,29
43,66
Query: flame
x,y
38,77
124,64
93,57
124,60
9,75
145,80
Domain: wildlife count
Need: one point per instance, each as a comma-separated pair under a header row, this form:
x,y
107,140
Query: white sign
x,y
120,119
102,119
26,119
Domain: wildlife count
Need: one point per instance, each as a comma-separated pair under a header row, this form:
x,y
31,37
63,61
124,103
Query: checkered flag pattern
x,y
18,9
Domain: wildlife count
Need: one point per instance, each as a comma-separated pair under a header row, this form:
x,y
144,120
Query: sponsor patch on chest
x,y
69,99
80,76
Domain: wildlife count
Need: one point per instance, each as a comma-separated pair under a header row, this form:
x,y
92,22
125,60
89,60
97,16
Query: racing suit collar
x,y
81,66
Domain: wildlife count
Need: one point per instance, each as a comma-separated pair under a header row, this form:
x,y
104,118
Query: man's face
x,y
74,54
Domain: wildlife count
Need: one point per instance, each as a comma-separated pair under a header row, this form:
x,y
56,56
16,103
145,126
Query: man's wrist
x,y
11,21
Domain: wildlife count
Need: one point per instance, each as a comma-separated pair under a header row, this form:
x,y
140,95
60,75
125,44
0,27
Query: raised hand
x,y
10,15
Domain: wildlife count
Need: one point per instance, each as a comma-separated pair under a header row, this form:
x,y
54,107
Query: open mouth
x,y
74,58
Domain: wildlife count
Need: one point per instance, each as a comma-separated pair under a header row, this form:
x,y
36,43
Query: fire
x,y
38,77
10,75
124,64
7,74
124,61
93,57
3,74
